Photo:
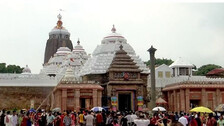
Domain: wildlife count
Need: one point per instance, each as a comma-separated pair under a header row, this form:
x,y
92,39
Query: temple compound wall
x,y
24,97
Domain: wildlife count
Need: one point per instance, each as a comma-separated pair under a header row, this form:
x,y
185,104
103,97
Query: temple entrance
x,y
194,103
124,102
83,103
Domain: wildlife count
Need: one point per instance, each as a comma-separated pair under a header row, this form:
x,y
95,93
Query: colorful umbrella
x,y
201,109
159,109
220,108
96,109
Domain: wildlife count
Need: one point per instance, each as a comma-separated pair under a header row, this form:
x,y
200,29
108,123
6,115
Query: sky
x,y
192,31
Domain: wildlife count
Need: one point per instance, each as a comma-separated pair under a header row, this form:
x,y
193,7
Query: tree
x,y
203,70
10,68
160,62
3,68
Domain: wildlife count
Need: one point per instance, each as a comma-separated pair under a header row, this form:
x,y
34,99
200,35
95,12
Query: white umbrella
x,y
95,109
159,109
56,110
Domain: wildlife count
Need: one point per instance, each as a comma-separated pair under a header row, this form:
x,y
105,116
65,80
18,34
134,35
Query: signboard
x,y
196,96
140,100
114,101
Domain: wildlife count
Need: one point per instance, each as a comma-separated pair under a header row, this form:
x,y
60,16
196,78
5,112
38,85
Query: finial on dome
x,y
59,17
121,47
113,29
78,42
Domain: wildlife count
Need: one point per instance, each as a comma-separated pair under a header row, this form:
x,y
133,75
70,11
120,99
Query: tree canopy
x,y
203,70
160,61
10,68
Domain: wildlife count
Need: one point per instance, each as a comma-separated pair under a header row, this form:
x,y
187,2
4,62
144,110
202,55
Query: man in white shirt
x,y
14,119
133,117
183,120
89,119
128,117
7,119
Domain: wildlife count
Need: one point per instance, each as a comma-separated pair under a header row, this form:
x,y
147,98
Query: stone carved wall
x,y
20,97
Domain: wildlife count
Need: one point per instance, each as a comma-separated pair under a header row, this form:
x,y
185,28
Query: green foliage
x,y
160,62
203,70
10,68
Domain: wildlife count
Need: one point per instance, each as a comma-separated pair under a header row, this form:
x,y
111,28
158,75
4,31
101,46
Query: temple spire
x,y
113,29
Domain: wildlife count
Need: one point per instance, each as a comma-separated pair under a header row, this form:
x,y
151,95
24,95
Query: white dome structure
x,y
26,70
104,54
76,59
55,62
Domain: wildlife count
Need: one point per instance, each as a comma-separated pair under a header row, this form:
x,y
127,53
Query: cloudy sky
x,y
193,31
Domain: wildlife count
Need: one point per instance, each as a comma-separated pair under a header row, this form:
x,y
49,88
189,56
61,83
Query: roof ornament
x,y
121,47
59,23
78,42
113,29
59,17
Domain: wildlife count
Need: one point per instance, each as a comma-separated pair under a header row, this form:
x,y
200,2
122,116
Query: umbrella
x,y
158,109
201,109
95,109
56,110
32,110
220,108
160,101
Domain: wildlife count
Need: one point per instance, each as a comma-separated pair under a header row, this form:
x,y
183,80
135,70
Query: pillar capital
x,y
152,50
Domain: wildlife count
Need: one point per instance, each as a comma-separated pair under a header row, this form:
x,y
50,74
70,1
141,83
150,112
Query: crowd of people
x,y
107,118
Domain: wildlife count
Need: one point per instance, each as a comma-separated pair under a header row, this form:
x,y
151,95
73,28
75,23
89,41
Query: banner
x,y
140,100
114,101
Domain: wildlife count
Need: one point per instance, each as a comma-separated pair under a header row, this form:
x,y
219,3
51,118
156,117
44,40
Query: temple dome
x,y
104,53
63,51
78,47
26,70
59,29
113,37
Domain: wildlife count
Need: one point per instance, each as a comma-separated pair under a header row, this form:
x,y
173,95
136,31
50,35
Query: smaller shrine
x,y
125,87
70,94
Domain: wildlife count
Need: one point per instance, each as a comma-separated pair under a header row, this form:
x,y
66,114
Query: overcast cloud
x,y
193,31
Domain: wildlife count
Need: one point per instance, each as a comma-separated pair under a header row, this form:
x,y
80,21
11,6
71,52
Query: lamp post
x,y
152,75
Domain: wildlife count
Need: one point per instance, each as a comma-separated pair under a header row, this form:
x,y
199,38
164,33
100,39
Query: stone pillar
x,y
64,100
182,100
203,97
152,74
187,98
99,98
94,97
77,99
52,101
169,100
175,100
218,97
58,99
178,102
